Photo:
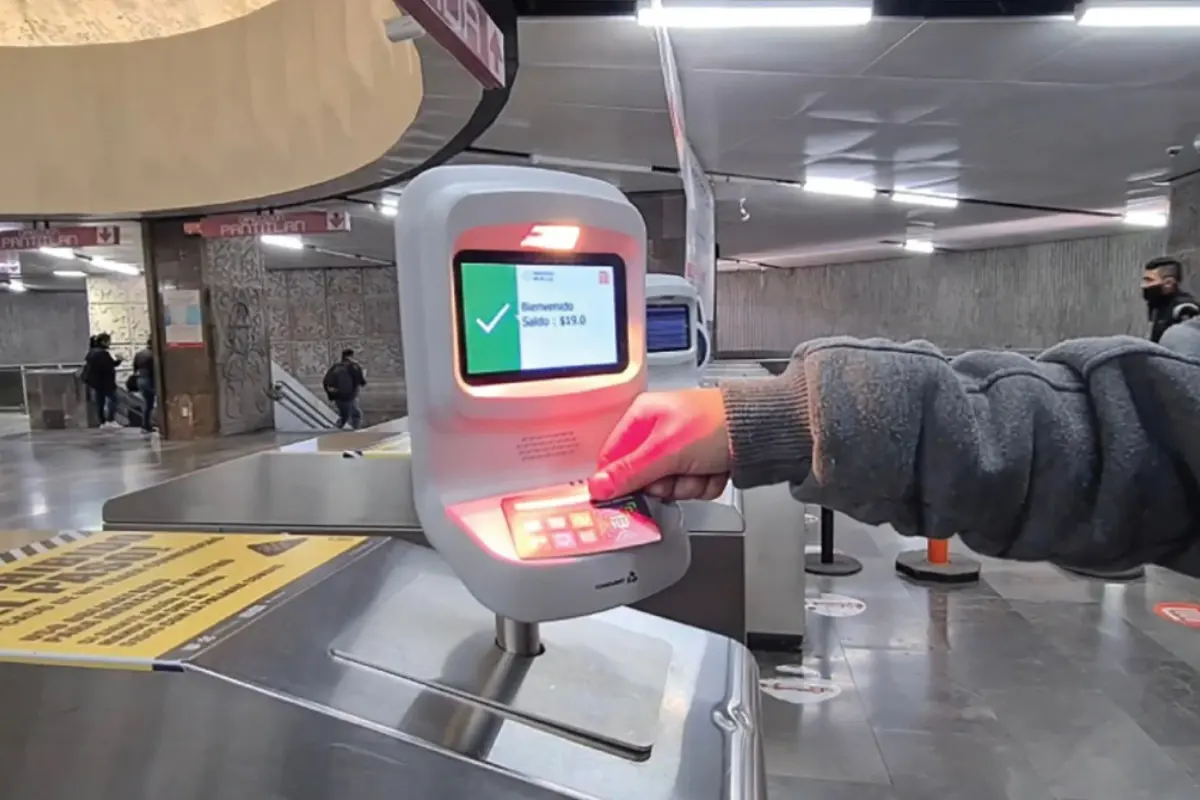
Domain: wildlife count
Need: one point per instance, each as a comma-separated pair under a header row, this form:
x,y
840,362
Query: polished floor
x,y
60,480
1031,685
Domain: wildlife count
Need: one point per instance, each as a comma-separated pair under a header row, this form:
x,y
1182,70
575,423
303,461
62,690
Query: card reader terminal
x,y
564,521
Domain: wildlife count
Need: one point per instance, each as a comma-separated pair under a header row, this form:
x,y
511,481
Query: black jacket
x,y
1180,306
343,381
100,370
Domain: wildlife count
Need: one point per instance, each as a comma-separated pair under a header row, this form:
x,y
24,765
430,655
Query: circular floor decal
x,y
834,605
1186,614
800,689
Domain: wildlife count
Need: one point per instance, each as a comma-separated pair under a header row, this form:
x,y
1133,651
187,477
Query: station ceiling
x,y
1043,129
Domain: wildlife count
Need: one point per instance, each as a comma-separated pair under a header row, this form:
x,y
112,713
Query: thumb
x,y
631,472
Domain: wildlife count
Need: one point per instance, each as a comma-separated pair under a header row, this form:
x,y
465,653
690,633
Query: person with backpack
x,y
143,378
342,384
100,376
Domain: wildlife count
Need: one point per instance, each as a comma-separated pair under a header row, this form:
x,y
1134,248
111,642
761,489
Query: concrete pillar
x,y
666,229
222,385
1183,233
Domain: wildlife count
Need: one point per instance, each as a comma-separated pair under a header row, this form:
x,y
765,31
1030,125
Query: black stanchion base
x,y
775,642
1114,576
840,566
915,565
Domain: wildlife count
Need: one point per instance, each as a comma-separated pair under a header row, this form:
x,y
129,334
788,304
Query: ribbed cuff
x,y
768,423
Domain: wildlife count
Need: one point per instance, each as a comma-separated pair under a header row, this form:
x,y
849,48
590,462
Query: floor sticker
x,y
1186,614
800,689
834,605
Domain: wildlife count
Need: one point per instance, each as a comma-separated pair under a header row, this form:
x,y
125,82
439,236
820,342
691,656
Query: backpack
x,y
332,381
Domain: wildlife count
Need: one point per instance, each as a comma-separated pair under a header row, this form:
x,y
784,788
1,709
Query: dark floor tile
x,y
959,766
912,691
1087,748
782,787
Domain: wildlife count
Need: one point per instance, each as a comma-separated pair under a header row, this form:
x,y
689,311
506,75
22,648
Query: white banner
x,y
700,242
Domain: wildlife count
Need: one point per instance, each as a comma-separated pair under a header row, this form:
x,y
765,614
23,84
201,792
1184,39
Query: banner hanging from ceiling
x,y
700,267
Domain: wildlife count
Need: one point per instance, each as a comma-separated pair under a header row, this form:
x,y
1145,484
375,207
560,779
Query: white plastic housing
x,y
474,445
676,369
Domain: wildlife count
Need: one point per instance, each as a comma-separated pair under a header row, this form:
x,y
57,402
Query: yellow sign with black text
x,y
146,600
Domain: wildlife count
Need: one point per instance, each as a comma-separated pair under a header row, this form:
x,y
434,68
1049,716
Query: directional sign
x,y
467,32
293,224
73,237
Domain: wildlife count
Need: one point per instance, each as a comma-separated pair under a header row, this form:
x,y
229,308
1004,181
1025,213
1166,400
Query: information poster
x,y
149,600
182,319
521,318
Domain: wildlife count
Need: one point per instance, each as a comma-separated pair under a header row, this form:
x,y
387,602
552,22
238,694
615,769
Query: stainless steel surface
x,y
394,643
518,638
297,492
282,710
775,587
712,593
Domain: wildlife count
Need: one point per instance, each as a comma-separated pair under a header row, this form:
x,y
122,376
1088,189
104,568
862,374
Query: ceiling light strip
x,y
1160,14
827,14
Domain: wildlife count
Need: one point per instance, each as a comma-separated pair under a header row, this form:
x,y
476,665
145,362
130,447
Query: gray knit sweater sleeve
x,y
1087,456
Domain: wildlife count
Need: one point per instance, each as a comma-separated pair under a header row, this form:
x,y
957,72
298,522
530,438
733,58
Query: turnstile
x,y
382,680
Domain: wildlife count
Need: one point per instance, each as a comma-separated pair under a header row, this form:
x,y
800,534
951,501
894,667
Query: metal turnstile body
x,y
384,677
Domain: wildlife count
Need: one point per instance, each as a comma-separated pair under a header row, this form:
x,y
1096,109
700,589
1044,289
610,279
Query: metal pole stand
x,y
934,564
518,638
827,562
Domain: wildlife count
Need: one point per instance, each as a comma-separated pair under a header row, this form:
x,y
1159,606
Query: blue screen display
x,y
668,328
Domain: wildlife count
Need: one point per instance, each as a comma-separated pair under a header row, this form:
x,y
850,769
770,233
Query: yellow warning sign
x,y
133,599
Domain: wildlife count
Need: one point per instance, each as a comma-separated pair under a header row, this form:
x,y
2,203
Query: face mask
x,y
1153,294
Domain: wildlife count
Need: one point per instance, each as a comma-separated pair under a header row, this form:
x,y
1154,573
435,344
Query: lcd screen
x,y
668,328
527,316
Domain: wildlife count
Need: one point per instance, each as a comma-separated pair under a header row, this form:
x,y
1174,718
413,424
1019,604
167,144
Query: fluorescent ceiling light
x,y
114,266
1145,219
1158,14
918,246
839,188
583,163
58,252
922,199
69,273
389,206
779,14
286,242
17,286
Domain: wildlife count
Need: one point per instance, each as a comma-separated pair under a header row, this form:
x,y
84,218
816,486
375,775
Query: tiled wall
x,y
1022,297
117,306
43,327
315,313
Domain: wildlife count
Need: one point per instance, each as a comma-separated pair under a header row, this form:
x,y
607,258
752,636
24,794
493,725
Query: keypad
x,y
564,521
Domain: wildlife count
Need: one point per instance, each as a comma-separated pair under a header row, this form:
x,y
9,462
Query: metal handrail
x,y
319,418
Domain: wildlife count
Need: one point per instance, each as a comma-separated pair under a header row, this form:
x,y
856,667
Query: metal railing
x,y
315,416
13,383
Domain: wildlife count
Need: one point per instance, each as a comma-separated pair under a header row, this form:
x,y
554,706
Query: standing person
x,y
342,383
143,372
1166,302
100,375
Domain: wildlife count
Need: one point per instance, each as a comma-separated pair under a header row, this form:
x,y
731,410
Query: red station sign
x,y
294,224
73,237
467,32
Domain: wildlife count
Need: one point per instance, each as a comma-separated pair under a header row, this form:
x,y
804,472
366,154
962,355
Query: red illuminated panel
x,y
563,522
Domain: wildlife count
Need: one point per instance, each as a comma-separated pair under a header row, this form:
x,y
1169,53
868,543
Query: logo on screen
x,y
604,278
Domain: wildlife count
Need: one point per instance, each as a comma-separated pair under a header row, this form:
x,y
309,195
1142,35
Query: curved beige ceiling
x,y
64,22
287,96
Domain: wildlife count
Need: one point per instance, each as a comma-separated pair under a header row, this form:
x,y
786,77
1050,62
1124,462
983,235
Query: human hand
x,y
671,445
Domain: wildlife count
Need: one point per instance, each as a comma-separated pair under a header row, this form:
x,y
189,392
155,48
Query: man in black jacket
x,y
1166,301
342,384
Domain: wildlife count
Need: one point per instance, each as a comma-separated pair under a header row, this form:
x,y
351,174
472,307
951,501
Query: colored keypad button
x,y
533,526
581,519
587,536
557,523
564,541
